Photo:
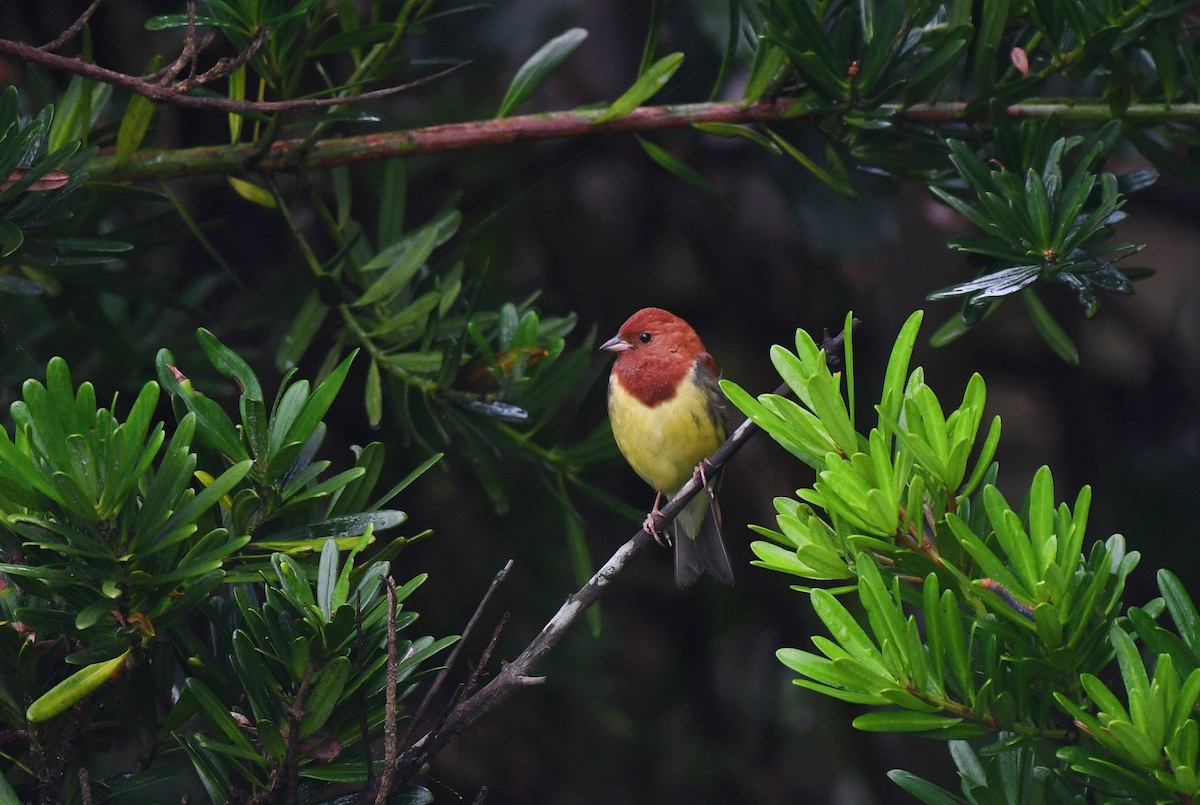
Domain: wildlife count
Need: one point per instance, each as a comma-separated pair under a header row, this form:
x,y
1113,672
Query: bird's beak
x,y
615,344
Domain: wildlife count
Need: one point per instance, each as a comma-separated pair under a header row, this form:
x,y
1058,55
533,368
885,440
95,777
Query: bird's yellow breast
x,y
664,443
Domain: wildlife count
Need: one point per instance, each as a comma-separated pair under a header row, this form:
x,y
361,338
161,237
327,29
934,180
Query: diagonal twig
x,y
440,679
74,29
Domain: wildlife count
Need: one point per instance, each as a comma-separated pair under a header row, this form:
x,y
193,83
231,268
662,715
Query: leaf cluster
x,y
198,590
43,166
1049,226
975,618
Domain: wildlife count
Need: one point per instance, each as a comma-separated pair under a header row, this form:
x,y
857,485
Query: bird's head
x,y
655,334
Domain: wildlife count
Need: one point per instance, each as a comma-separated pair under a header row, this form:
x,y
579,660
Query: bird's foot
x,y
650,528
701,472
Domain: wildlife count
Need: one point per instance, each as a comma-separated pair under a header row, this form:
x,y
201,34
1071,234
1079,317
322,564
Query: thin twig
x,y
77,26
85,786
440,679
427,748
390,715
176,93
364,728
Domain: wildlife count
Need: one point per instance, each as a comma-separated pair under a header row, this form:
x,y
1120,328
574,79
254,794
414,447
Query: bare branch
x,y
74,29
398,767
462,640
390,714
158,89
191,51
426,749
85,786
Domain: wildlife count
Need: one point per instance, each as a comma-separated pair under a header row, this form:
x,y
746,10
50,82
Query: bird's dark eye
x,y
644,338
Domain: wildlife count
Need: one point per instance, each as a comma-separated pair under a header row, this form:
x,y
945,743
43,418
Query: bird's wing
x,y
707,375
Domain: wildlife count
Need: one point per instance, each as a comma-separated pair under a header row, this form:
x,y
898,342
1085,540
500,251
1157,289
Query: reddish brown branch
x,y
290,155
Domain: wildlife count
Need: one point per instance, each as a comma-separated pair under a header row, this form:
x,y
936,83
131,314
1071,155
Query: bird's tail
x,y
698,545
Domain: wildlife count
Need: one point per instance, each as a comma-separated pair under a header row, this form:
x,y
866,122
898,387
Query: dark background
x,y
679,698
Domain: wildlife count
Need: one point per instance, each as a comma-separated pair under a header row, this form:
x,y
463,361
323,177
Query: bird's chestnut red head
x,y
655,351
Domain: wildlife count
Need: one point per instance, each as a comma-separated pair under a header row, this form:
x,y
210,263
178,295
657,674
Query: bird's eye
x,y
644,338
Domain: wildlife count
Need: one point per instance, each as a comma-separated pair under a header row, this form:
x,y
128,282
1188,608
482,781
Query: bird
x,y
668,416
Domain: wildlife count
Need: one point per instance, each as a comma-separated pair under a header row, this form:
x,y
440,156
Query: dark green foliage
x,y
206,585
1051,225
195,570
43,167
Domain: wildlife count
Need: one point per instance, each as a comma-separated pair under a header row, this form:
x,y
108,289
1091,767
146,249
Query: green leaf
x,y
190,511
1182,610
318,403
922,789
989,564
217,713
1049,329
539,67
651,44
335,527
987,45
645,88
252,192
903,721
134,125
408,262
237,92
8,795
892,396
74,689
327,577
765,70
11,238
301,331
846,631
324,695
374,396
393,201
986,454
403,259
731,46
840,183
230,364
937,66
683,171
735,130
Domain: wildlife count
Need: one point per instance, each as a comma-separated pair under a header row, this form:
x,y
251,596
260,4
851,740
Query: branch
x,y
293,155
160,91
518,673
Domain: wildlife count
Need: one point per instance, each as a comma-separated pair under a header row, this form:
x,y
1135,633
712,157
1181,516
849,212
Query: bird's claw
x,y
701,473
651,528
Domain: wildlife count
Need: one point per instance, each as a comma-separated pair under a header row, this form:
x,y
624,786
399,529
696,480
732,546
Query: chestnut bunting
x,y
668,415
